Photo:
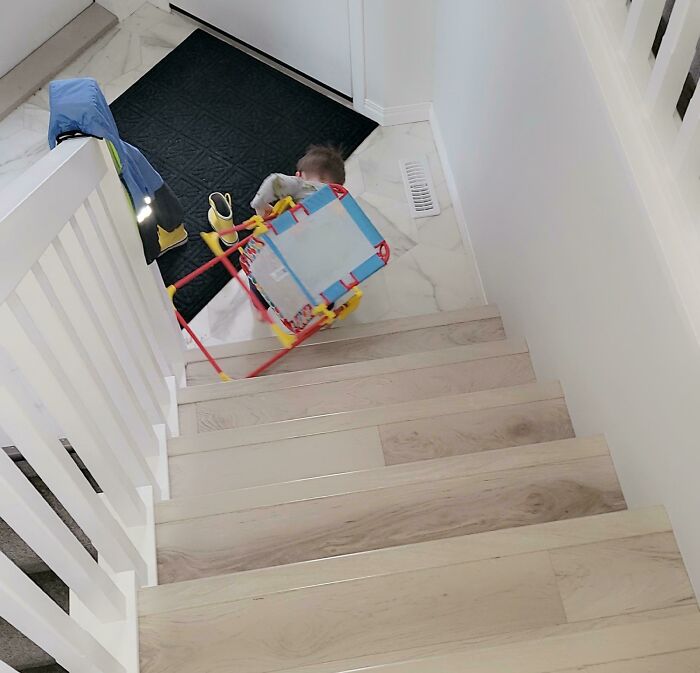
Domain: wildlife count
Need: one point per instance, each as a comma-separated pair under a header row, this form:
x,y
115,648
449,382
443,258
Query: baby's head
x,y
322,163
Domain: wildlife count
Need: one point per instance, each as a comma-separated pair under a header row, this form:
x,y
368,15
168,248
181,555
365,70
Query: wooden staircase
x,y
404,497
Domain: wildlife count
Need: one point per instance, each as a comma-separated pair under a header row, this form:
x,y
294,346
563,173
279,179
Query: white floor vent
x,y
422,198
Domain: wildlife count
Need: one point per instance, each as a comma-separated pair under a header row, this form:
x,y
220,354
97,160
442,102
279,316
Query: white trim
x,y
356,19
671,223
453,189
397,114
120,638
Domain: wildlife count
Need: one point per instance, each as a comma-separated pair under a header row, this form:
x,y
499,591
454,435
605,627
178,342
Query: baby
x,y
320,166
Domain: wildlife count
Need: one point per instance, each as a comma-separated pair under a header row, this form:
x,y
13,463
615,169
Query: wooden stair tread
x,y
353,370
357,449
648,645
508,587
470,464
412,509
378,415
454,373
365,341
436,553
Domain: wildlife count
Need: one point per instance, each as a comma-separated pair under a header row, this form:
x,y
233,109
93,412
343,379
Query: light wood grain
x,y
372,615
363,418
245,466
676,662
630,575
617,645
475,431
343,372
448,551
199,481
364,393
346,332
392,516
379,415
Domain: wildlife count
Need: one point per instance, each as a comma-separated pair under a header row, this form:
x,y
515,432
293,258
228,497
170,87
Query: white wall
x,y
564,243
26,25
398,54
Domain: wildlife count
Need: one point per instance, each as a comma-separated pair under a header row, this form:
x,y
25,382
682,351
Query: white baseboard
x,y
455,197
398,114
51,57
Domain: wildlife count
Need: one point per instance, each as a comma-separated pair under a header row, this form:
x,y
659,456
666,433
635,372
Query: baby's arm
x,y
274,188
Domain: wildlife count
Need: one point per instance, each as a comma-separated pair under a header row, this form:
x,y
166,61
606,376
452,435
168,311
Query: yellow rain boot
x,y
221,216
171,239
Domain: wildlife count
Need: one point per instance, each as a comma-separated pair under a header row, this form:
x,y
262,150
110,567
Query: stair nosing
x,y
493,398
343,372
351,332
443,552
478,463
486,655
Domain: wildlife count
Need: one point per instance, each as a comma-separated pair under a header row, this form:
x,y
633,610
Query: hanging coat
x,y
78,108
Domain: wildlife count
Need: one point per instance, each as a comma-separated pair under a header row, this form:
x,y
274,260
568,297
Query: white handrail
x,y
89,352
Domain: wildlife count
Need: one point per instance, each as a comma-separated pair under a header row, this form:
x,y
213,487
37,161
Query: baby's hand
x,y
264,212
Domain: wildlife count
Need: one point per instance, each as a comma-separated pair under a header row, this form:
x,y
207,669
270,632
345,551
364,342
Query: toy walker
x,y
307,260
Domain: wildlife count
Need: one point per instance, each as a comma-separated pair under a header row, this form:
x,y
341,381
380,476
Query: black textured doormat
x,y
211,118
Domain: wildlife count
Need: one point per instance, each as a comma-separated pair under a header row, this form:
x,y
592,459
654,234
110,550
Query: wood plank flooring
x,y
356,350
352,522
361,393
470,603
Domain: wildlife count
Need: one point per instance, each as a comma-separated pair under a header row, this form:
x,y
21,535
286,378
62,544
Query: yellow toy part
x,y
351,305
287,340
171,290
283,205
211,238
257,224
323,310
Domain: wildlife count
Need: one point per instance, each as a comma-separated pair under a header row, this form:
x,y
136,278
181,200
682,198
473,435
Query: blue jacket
x,y
78,107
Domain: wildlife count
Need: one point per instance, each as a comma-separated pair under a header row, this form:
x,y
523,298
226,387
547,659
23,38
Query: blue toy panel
x,y
370,264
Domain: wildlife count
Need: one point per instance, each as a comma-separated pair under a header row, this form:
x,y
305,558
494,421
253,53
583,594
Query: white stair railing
x,y
642,92
91,353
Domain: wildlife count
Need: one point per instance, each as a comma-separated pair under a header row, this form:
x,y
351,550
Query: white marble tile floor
x,y
431,268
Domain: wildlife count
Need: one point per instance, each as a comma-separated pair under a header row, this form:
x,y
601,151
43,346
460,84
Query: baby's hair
x,y
324,162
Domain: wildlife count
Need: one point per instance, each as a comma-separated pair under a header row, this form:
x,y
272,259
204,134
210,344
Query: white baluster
x,y
671,67
90,383
51,376
162,322
685,156
74,286
615,10
102,263
31,430
640,29
31,517
24,605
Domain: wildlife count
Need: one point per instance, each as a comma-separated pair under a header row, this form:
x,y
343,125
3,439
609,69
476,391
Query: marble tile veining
x,y
430,271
